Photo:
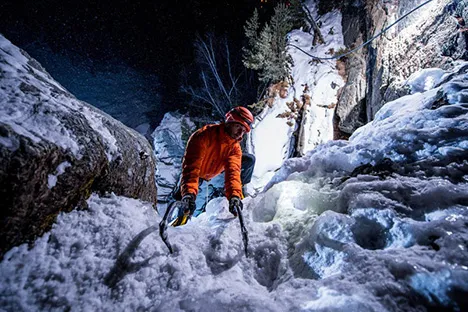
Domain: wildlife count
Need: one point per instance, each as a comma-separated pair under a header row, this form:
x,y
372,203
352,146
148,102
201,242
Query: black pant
x,y
247,168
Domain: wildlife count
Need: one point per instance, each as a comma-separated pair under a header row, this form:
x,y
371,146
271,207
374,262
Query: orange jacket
x,y
210,151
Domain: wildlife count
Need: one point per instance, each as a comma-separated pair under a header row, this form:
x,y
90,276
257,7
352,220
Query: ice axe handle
x,y
245,234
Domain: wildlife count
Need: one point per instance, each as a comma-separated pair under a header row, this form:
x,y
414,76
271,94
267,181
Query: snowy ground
x,y
392,238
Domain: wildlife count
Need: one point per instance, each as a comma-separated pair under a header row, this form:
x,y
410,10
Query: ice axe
x,y
245,237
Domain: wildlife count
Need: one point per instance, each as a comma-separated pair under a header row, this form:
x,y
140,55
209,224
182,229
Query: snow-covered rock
x,y
169,140
56,150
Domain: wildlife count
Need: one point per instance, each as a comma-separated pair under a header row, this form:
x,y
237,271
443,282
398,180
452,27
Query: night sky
x,y
156,35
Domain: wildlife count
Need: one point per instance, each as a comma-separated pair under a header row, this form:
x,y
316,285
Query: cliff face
x,y
56,150
432,36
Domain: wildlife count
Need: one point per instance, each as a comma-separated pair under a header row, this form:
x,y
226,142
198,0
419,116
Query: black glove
x,y
189,204
234,204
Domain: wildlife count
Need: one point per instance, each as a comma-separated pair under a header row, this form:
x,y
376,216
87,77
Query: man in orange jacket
x,y
212,150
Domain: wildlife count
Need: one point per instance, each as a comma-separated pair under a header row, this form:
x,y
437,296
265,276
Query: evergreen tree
x,y
251,28
266,50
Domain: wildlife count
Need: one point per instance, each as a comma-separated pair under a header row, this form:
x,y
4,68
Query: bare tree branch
x,y
314,25
222,80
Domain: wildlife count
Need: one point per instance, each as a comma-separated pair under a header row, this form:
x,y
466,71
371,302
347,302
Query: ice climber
x,y
211,150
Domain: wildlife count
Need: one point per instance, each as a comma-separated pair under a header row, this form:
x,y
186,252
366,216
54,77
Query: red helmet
x,y
240,115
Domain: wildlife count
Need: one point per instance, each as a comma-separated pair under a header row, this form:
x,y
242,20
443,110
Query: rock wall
x,y
56,150
433,36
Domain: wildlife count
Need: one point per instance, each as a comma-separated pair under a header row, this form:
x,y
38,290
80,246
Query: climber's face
x,y
235,130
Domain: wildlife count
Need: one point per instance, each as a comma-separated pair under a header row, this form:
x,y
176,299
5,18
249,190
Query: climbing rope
x,y
365,43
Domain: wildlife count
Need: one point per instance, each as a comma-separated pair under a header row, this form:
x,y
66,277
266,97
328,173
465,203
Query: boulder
x,y
56,150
